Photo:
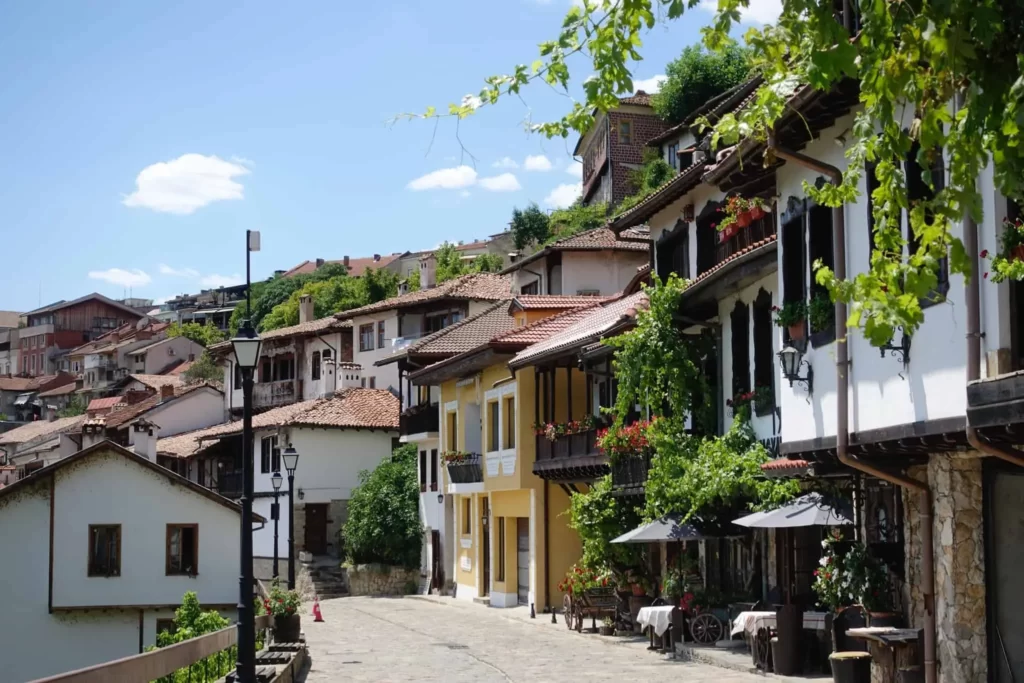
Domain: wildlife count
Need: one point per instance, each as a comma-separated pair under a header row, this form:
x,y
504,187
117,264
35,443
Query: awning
x,y
23,399
668,528
812,509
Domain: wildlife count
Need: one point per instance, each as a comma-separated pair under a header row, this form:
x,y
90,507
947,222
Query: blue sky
x,y
140,140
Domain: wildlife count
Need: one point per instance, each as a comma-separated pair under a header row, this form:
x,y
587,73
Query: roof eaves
x,y
670,191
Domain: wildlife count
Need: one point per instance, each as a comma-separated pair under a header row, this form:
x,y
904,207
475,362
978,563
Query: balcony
x,y
421,419
629,474
229,484
571,457
466,471
270,394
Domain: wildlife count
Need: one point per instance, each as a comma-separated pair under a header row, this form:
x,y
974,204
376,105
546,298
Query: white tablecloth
x,y
750,622
658,618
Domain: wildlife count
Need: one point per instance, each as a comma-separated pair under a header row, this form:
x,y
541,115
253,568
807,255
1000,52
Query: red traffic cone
x,y
317,616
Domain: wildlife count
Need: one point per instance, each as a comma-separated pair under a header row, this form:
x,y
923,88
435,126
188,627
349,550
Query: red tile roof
x,y
598,239
124,415
181,369
669,191
103,403
40,428
766,242
782,465
157,381
476,286
62,390
542,302
356,266
25,384
639,98
466,334
540,330
95,296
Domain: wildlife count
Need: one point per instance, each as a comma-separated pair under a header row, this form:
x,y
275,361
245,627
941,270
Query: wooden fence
x,y
149,666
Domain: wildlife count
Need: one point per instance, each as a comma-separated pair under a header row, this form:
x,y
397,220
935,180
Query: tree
x,y
599,516
912,58
529,226
449,263
204,335
487,263
654,172
75,407
275,291
697,76
205,369
575,219
337,294
379,284
190,621
383,513
412,283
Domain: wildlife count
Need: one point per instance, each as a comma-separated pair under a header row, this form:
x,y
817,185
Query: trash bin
x,y
850,667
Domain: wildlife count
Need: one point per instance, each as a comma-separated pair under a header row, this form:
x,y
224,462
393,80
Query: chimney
x,y
350,376
319,262
93,431
328,373
376,258
51,413
428,272
133,396
166,391
344,261
144,437
306,313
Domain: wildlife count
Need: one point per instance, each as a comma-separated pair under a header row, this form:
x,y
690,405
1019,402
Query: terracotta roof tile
x,y
639,98
180,369
770,240
540,330
103,403
466,334
157,381
24,384
533,302
34,430
476,286
599,239
356,266
587,329
63,390
122,416
672,189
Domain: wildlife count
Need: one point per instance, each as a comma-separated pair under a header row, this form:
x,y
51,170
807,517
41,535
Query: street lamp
x,y
276,480
246,346
291,461
791,359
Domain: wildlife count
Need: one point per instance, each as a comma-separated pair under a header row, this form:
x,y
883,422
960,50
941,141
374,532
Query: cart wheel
x,y
567,610
706,629
762,649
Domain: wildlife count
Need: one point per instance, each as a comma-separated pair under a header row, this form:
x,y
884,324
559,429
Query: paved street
x,y
419,639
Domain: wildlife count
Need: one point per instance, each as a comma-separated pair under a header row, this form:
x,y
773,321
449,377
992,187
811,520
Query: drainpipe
x,y
843,414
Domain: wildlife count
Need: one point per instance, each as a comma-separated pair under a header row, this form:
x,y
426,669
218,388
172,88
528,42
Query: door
x,y
1005,531
316,528
523,558
436,561
485,546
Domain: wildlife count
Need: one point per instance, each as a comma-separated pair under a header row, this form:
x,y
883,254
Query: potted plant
x,y
629,440
868,579
791,315
283,606
1008,264
821,313
607,627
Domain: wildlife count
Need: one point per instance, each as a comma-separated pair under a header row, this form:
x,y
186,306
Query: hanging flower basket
x,y
796,331
757,212
743,219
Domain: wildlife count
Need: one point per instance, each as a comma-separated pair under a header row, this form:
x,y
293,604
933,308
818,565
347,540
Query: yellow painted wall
x,y
466,578
564,547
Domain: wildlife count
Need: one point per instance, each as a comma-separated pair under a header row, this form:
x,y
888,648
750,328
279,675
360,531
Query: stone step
x,y
483,601
331,596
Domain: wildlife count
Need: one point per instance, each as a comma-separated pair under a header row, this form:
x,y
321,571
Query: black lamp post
x,y
291,461
276,480
246,346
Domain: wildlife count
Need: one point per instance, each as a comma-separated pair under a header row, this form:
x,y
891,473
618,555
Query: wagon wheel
x,y
762,649
706,629
567,610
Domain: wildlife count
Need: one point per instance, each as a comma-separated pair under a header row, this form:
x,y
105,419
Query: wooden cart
x,y
593,603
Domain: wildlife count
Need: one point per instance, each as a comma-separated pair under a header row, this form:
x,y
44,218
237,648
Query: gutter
x,y
843,410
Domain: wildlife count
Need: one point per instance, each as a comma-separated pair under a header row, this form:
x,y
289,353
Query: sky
x,y
140,140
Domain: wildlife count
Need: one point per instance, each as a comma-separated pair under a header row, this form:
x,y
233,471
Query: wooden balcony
x,y
229,484
629,474
570,458
272,394
469,471
421,419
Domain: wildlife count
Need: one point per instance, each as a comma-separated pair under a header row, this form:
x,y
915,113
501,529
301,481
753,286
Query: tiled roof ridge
x,y
621,221
548,320
770,239
448,289
445,331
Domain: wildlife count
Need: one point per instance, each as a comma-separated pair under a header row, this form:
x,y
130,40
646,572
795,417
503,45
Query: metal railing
x,y
468,471
629,473
567,445
419,420
229,484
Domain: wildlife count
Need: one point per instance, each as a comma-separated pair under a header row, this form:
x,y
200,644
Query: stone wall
x,y
380,579
337,515
959,549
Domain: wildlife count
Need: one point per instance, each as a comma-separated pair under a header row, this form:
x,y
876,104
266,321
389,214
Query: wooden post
x,y
590,394
568,380
554,389
536,396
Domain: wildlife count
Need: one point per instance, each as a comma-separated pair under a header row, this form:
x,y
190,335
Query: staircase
x,y
329,579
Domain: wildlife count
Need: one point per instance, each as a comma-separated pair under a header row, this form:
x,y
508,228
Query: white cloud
x,y
464,194
564,195
471,101
758,12
213,281
505,162
537,162
575,169
178,272
243,161
445,179
121,277
506,182
187,183
650,85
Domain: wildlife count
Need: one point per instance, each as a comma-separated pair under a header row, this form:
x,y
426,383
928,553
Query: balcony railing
x,y
572,457
419,420
629,473
267,394
755,232
468,471
229,484
567,446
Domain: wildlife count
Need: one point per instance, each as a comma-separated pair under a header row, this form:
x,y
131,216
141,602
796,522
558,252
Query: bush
x,y
696,77
383,514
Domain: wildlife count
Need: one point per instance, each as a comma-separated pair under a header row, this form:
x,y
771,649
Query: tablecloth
x,y
750,622
658,618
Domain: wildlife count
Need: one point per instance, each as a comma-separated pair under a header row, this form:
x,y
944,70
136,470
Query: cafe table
x,y
658,619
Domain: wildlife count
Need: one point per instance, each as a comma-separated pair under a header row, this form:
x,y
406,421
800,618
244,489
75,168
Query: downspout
x,y
843,413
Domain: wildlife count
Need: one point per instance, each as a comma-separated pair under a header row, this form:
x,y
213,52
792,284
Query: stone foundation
x,y
380,579
959,552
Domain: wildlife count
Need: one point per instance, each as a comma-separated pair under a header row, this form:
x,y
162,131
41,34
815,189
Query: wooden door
x,y
485,546
316,528
523,559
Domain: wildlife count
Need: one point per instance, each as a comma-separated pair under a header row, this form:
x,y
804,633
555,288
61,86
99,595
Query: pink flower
x,y
986,276
984,253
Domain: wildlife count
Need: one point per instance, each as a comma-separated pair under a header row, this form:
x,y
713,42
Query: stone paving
x,y
441,639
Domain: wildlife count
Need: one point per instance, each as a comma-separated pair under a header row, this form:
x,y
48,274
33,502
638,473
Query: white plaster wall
x,y
607,272
263,539
158,358
387,375
199,409
535,271
882,392
110,489
318,388
232,396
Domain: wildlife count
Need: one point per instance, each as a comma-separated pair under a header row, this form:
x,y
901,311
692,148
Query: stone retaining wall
x,y
380,579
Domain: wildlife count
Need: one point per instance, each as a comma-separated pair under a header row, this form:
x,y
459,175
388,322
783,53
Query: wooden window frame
x,y
92,557
268,446
764,351
452,425
380,334
625,129
315,366
815,233
739,320
434,470
168,625
423,471
493,426
167,550
467,516
366,335
938,176
509,410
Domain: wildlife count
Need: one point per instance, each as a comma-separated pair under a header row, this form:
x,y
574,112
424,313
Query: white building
x,y
155,358
107,543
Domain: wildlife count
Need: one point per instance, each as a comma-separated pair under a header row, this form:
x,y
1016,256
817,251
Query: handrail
x,y
149,666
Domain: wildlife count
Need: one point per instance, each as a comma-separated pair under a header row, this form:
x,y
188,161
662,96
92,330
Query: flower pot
x,y
1017,253
607,630
850,667
743,219
796,331
638,590
756,213
287,629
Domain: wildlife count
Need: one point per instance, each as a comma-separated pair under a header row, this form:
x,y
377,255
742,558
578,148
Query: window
x,y
870,185
918,190
366,337
316,365
284,368
673,252
362,382
266,369
182,549
373,382
625,133
166,626
104,549
270,455
453,431
500,574
493,424
467,516
740,329
380,334
794,271
510,422
532,288
423,471
819,246
672,155
435,323
326,355
764,354
433,470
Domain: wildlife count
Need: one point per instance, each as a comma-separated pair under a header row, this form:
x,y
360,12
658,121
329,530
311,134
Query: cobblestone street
x,y
426,639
